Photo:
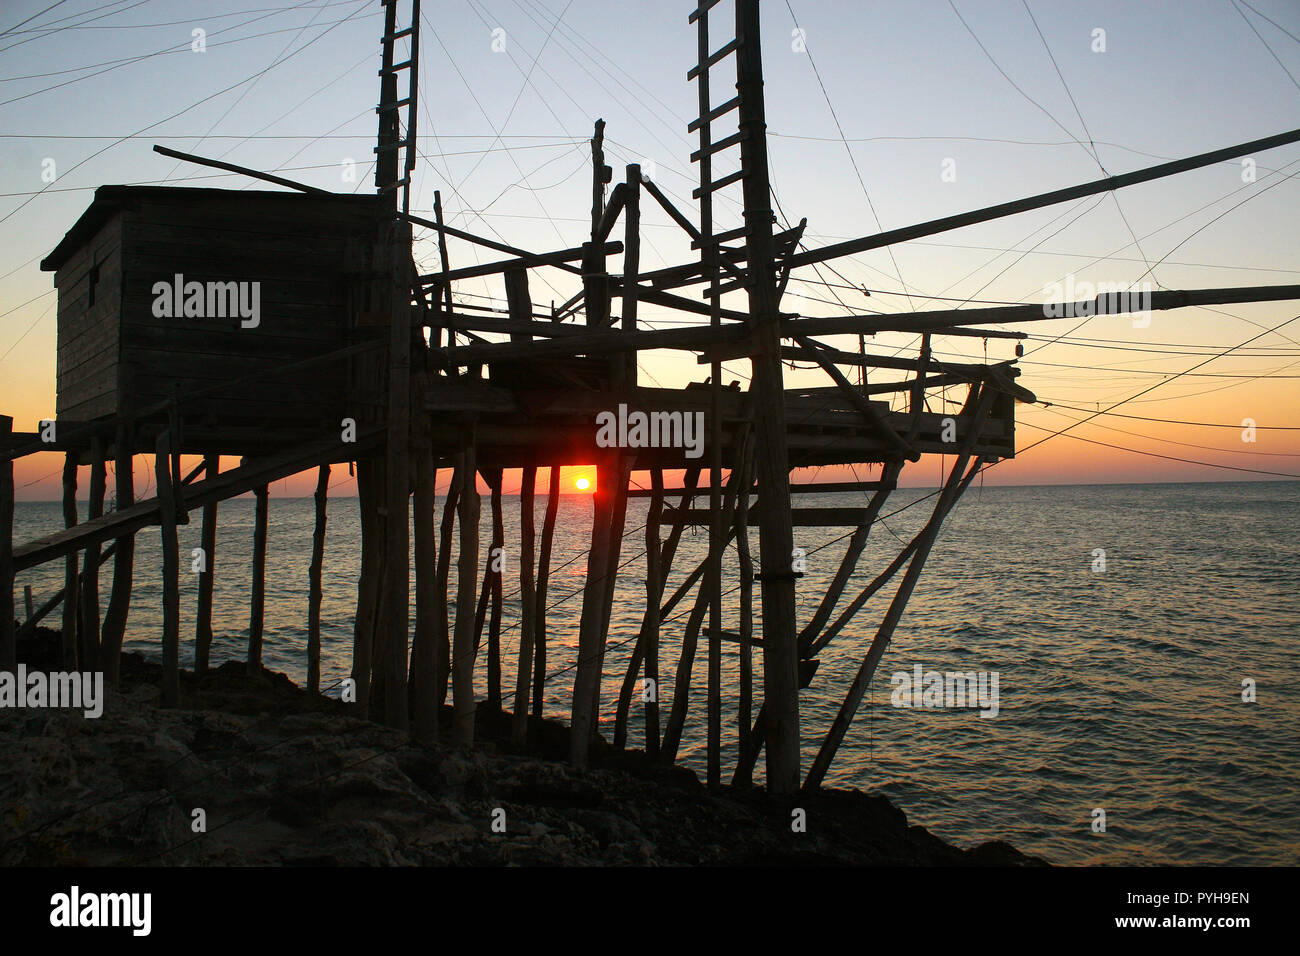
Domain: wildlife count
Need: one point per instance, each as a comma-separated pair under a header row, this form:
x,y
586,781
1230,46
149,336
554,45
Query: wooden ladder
x,y
391,140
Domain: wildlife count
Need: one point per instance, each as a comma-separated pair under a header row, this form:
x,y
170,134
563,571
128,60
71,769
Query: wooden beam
x,y
599,342
948,223
231,167
1102,305
799,517
527,261
521,306
444,231
869,411
236,481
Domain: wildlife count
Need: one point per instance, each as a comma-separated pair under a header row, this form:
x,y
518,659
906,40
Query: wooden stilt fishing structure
x,y
336,368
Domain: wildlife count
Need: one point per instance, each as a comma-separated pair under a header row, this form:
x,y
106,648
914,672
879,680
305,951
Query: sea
x,y
1145,640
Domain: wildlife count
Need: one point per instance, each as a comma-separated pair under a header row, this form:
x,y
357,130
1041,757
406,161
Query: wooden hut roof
x,y
109,200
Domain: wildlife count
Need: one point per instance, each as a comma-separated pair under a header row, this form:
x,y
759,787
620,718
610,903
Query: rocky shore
x,y
281,778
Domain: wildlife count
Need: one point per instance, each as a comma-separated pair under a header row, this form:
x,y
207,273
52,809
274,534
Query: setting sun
x,y
582,484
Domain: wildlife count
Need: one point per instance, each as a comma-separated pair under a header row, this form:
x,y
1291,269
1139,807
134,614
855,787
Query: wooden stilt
x,y
207,577
682,682
745,682
119,601
492,587
685,665
8,626
958,480
586,680
840,725
527,605
617,524
776,534
88,646
543,576
369,487
654,588
888,479
315,592
424,645
443,621
665,562
257,589
462,661
71,575
397,564
171,678
29,602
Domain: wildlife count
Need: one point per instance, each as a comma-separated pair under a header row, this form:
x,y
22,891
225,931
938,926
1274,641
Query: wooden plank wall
x,y
88,334
294,246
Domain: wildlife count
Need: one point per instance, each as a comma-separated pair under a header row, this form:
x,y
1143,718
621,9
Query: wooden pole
x,y
424,646
654,589
119,601
889,476
631,269
840,725
467,571
443,651
713,576
906,234
29,602
682,680
586,682
745,683
776,534
207,577
543,576
496,557
641,650
257,590
397,576
685,665
89,649
447,303
527,605
29,626
171,677
8,626
71,577
315,592
959,478
370,488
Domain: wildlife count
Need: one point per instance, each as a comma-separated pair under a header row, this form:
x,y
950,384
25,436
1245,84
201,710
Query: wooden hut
x,y
163,291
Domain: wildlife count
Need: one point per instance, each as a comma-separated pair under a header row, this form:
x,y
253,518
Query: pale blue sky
x,y
911,88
